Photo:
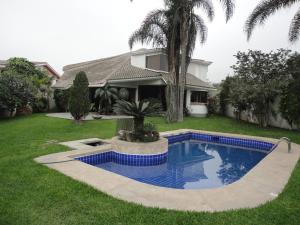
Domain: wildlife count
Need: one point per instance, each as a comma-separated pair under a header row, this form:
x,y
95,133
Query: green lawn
x,y
34,194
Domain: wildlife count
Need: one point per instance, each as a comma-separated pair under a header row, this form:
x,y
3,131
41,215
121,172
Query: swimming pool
x,y
193,161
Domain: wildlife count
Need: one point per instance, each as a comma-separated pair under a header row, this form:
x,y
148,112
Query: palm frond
x,y
207,6
294,31
153,29
201,27
262,11
228,6
142,109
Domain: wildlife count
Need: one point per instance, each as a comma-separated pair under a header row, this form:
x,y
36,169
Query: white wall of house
x,y
195,109
139,61
198,70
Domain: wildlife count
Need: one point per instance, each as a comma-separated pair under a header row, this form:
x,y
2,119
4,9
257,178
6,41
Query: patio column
x,y
137,94
188,99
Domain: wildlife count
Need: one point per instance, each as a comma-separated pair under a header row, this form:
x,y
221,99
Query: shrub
x,y
106,96
61,98
124,94
40,105
150,132
15,92
186,112
212,106
79,102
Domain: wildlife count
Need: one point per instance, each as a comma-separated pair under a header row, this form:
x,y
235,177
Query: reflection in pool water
x,y
193,165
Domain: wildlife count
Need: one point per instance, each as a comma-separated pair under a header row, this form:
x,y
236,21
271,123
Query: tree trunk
x,y
171,98
171,90
183,63
138,125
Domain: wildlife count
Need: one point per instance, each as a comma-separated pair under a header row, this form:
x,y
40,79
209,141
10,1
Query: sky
x,y
63,32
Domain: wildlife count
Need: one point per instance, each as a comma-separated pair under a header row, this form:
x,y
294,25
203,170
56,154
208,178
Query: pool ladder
x,y
287,140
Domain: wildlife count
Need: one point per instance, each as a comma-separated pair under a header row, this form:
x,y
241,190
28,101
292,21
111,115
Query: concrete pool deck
x,y
90,116
261,184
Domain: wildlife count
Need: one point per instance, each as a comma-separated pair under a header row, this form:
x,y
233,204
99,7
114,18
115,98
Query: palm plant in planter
x,y
139,111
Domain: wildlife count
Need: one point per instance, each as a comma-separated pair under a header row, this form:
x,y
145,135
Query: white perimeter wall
x,y
277,121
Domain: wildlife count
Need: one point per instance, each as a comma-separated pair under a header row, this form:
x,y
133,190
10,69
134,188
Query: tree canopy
x,y
79,101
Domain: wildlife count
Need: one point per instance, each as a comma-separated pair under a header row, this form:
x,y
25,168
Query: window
x,y
157,62
199,97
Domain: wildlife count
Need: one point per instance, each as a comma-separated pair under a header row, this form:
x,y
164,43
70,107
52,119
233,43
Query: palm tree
x,y
184,14
176,29
157,29
161,28
106,95
268,7
138,110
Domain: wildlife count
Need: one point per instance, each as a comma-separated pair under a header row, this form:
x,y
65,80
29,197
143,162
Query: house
x,y
42,65
144,73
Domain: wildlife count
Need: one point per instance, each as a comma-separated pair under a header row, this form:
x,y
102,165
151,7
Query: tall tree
x,y
176,29
79,102
259,77
41,82
290,96
267,8
184,14
157,29
162,29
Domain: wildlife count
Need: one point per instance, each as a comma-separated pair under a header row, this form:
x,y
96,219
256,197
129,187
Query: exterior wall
x,y
138,61
196,109
158,61
198,70
278,121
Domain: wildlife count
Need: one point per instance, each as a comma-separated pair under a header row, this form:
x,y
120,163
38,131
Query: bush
x,y
15,92
124,94
150,133
40,105
212,106
104,98
186,112
61,98
79,102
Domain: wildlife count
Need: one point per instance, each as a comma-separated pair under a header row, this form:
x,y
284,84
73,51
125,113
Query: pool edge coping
x,y
261,184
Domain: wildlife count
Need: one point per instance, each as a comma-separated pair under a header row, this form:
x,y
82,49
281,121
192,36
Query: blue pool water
x,y
191,164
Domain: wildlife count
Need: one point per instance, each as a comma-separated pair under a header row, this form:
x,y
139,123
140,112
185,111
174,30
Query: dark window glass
x,y
157,62
199,97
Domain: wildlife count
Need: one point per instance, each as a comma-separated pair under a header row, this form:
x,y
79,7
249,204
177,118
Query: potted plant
x,y
138,111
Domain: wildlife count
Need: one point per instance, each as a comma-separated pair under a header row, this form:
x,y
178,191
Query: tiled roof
x,y
115,68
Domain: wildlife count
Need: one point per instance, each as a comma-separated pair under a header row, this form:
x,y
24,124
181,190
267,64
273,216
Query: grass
x,y
34,194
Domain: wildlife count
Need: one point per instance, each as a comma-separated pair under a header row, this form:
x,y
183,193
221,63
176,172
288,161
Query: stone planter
x,y
139,148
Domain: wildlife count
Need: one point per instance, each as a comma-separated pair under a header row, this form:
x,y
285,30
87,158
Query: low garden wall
x,y
277,121
147,148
